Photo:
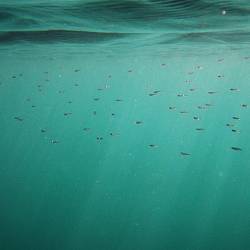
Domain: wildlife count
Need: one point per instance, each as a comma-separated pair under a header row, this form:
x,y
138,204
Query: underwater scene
x,y
125,125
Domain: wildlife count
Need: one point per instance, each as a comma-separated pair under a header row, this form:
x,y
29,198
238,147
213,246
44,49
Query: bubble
x,y
223,12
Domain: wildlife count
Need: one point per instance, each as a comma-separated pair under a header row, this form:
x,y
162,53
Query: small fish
x,y
86,129
211,92
230,125
99,89
113,134
191,89
244,105
96,99
201,107
76,70
196,118
236,118
208,104
138,122
180,95
235,131
129,71
113,114
172,108
220,76
94,112
33,106
43,130
236,149
200,129
234,89
163,64
183,112
184,154
220,60
152,146
18,118
99,138
54,141
156,91
151,94
13,77
67,113
118,100
69,102
76,84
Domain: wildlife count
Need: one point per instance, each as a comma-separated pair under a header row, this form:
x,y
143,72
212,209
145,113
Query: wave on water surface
x,y
134,23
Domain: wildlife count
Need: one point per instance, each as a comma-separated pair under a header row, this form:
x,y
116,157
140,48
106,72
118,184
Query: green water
x,y
120,193
124,125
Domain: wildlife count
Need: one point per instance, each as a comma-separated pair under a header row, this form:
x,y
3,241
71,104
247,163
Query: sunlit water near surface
x,y
124,125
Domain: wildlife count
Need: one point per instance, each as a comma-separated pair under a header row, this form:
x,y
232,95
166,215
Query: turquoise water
x,y
124,125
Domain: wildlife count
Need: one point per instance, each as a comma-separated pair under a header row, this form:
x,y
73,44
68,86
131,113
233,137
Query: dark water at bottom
x,y
126,153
